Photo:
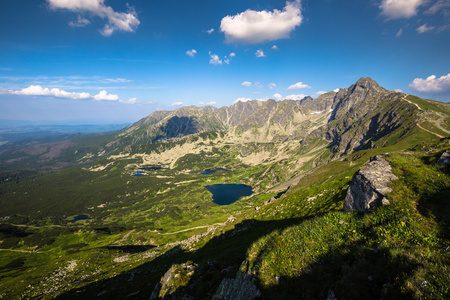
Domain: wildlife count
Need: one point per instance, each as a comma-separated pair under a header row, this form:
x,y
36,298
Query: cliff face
x,y
369,186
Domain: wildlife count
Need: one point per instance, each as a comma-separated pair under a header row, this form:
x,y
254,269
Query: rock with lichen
x,y
369,186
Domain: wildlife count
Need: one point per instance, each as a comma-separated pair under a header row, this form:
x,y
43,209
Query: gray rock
x,y
239,288
369,186
331,295
444,160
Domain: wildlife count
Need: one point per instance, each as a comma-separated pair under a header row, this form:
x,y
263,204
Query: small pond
x,y
225,194
210,171
80,217
142,171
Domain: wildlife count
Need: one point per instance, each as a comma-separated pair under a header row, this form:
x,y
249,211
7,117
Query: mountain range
x,y
126,214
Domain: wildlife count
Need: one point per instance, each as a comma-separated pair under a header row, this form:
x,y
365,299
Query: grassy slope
x,y
80,256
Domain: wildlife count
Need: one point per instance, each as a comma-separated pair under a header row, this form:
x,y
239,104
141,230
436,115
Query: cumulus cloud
x,y
117,21
336,90
277,96
232,54
210,31
215,60
246,83
242,99
177,103
296,97
424,28
274,47
37,90
397,9
103,95
80,22
259,53
254,27
130,101
432,84
191,53
320,93
271,85
298,85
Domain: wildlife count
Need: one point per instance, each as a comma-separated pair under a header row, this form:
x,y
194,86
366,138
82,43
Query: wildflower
x,y
447,249
277,278
403,223
405,218
354,231
423,284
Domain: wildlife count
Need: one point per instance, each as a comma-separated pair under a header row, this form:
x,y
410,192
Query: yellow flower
x,y
403,223
354,230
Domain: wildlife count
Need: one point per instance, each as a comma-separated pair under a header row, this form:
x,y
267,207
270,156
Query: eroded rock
x,y
369,186
241,287
444,160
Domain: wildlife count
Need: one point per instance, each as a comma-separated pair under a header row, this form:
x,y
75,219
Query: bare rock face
x,y
239,288
444,160
369,186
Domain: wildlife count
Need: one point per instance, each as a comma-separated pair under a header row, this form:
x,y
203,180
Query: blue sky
x,y
113,60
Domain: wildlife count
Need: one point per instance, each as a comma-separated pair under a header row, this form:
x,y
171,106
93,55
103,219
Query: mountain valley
x,y
76,222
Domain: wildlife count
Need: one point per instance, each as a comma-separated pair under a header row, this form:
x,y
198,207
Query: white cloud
x,y
424,28
208,103
336,90
272,85
274,47
210,31
277,96
399,33
242,99
130,101
320,93
37,90
246,83
191,53
398,91
261,26
228,59
397,9
439,6
296,97
259,53
432,84
80,22
119,21
177,103
298,85
215,60
103,95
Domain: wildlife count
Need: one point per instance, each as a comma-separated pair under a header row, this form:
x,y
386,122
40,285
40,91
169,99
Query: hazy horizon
x,y
107,59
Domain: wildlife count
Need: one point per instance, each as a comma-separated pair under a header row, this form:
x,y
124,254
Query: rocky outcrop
x,y
239,288
444,160
369,186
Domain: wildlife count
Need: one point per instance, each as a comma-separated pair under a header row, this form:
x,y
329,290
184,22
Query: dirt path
x,y
404,98
22,251
436,134
193,228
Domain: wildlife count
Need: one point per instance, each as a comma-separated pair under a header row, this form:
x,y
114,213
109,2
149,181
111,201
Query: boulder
x,y
444,160
369,186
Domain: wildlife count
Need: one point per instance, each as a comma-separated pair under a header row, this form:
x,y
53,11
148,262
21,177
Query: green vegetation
x,y
291,234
